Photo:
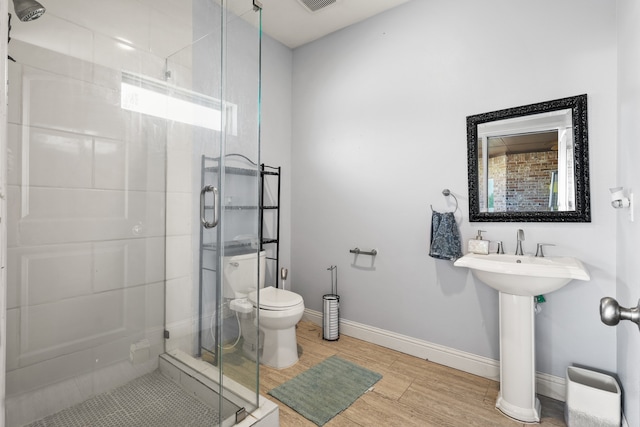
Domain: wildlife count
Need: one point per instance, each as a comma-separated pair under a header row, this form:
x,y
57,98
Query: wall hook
x,y
622,199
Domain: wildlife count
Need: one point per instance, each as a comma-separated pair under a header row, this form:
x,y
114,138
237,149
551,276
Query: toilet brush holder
x,y
331,310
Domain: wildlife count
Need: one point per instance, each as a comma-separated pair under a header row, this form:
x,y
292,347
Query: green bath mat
x,y
323,391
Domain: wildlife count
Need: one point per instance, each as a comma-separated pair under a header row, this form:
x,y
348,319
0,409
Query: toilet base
x,y
250,351
280,348
252,339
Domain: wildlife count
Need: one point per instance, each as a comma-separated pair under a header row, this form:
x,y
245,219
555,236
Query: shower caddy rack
x,y
209,166
265,172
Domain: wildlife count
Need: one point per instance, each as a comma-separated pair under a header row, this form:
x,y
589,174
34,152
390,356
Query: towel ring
x,y
446,193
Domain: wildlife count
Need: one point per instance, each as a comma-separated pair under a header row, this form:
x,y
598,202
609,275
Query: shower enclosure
x,y
133,126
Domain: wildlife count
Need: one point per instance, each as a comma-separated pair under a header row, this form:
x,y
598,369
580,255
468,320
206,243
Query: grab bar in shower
x,y
357,251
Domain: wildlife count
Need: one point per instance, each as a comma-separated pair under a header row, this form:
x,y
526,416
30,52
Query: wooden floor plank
x,y
412,391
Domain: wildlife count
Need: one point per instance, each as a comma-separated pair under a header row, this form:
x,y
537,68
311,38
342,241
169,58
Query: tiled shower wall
x,y
86,244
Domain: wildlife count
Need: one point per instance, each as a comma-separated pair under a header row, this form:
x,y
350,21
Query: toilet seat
x,y
275,299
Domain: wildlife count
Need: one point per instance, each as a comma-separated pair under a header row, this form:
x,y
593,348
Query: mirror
x,y
530,163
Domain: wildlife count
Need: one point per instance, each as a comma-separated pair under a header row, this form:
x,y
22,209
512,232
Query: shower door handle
x,y
203,220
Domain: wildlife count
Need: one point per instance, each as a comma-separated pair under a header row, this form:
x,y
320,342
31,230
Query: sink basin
x,y
524,275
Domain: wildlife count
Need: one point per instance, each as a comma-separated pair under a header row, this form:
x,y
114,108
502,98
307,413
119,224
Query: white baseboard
x,y
546,385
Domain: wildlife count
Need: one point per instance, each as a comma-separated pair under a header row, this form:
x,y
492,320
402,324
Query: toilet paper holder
x,y
358,251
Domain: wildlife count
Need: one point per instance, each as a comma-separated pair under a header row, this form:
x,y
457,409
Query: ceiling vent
x,y
316,5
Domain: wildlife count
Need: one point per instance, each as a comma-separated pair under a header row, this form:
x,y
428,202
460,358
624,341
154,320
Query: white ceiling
x,y
287,21
293,25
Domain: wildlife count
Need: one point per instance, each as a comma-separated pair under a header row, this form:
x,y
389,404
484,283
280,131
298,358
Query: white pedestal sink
x,y
518,279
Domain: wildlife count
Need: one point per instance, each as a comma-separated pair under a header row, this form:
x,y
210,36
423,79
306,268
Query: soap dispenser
x,y
479,245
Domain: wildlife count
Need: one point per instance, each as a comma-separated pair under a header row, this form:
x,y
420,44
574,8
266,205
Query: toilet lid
x,y
275,299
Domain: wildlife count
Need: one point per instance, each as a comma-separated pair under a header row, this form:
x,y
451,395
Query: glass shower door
x,y
110,141
212,181
241,195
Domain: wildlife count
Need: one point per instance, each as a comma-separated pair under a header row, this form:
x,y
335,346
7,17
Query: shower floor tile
x,y
151,400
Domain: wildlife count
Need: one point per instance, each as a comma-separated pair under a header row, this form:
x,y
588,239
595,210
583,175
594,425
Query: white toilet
x,y
279,310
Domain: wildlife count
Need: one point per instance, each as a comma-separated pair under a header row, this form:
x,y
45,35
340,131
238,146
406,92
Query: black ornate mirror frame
x,y
582,212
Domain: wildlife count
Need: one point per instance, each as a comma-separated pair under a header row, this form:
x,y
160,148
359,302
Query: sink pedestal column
x,y
517,398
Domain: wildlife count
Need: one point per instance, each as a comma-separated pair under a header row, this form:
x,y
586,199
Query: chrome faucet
x,y
539,252
520,237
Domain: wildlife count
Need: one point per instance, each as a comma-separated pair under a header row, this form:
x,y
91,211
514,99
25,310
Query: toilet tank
x,y
239,274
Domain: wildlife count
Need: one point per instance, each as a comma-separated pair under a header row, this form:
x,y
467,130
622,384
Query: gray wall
x,y
379,130
275,137
628,233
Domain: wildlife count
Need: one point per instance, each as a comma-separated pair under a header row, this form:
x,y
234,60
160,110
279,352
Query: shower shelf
x,y
240,208
239,188
209,256
235,208
230,169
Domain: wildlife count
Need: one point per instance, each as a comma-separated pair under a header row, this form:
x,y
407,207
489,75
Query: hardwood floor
x,y
412,391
